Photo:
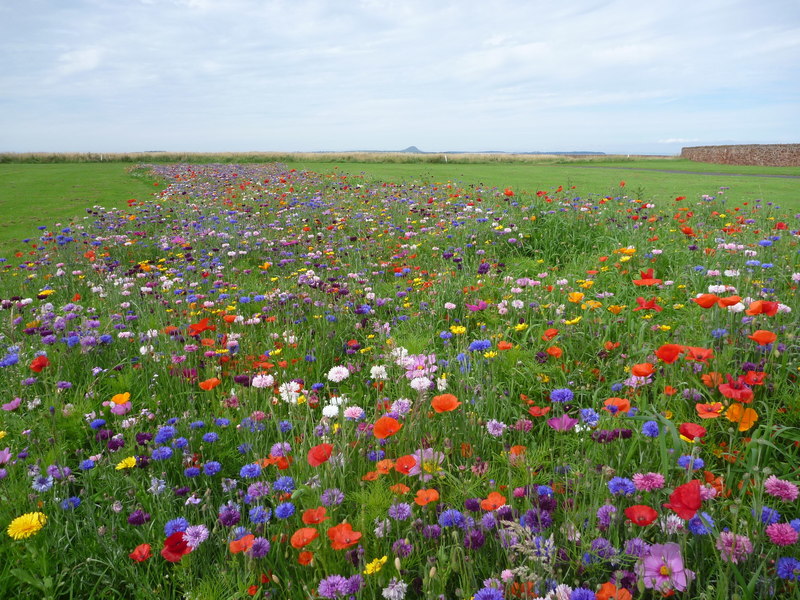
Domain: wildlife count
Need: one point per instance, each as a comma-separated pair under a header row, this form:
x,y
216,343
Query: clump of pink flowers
x,y
780,488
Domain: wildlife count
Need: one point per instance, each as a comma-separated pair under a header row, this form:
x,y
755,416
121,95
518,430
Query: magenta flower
x,y
662,569
13,405
785,490
562,423
782,534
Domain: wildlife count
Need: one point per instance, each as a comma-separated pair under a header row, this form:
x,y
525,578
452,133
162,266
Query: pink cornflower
x,y
780,488
782,534
733,547
648,482
662,569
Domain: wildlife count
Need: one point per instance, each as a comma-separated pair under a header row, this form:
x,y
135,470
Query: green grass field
x,y
37,194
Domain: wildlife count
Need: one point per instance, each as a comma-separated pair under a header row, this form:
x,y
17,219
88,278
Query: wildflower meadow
x,y
272,383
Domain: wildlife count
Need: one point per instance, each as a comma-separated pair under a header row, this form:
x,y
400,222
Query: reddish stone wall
x,y
764,155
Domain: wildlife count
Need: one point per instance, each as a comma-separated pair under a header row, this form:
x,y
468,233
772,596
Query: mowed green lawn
x,y
32,195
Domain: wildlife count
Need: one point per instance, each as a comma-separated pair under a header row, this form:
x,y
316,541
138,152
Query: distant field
x,y
39,193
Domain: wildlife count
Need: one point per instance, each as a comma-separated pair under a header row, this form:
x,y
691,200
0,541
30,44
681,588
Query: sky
x,y
623,76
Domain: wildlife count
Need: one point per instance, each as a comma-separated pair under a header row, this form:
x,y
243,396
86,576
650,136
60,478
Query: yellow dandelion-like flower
x,y
2,434
375,566
27,525
121,398
126,463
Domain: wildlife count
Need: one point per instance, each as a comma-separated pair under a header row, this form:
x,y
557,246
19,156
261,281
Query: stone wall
x,y
764,155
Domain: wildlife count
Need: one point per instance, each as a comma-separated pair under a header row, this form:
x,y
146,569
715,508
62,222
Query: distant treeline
x,y
339,157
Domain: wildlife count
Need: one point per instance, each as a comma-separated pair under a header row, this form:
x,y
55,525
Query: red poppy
x,y
647,278
555,351
313,516
39,363
617,405
141,553
685,500
539,411
709,411
755,377
762,307
647,305
669,353
200,327
692,430
319,454
445,403
641,514
303,537
697,354
400,489
504,345
729,301
243,544
763,337
404,464
706,300
386,427
175,547
342,536
736,389
305,557
608,591
493,501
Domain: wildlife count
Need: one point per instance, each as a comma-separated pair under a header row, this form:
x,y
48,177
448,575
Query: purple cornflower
x,y
332,497
195,535
400,511
259,548
495,427
138,517
402,548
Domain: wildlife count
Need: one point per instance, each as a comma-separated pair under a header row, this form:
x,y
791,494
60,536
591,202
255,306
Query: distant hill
x,y
412,150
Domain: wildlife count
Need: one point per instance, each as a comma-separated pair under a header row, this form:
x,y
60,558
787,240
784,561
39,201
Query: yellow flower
x,y
575,297
126,463
121,398
574,321
26,525
520,327
490,354
616,308
375,566
2,434
457,329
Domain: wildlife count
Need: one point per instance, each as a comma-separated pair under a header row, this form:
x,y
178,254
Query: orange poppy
x,y
669,353
493,501
207,342
242,545
745,417
549,334
400,489
504,345
141,553
729,301
386,427
762,307
709,411
702,355
608,591
229,318
617,405
763,337
555,351
426,496
713,379
404,464
313,516
370,476
706,300
303,537
643,369
342,536
210,384
609,345
670,391
517,450
384,466
305,557
445,403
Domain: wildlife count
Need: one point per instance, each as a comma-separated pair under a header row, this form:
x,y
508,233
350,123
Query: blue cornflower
x,y
284,484
582,594
769,515
162,453
70,503
250,470
480,345
222,422
788,567
561,395
451,518
97,423
686,462
590,416
621,486
284,510
488,593
164,434
191,472
42,483
718,334
197,425
701,524
544,490
259,514
175,525
86,465
650,429
285,426
180,442
211,468
210,437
